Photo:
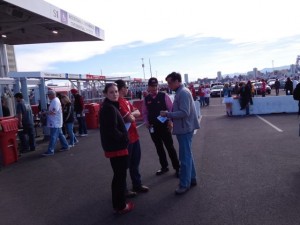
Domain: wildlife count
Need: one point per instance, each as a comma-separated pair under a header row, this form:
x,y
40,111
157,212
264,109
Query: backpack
x,y
296,93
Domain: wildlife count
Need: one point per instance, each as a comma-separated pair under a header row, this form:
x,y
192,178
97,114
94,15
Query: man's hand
x,y
130,118
163,113
170,126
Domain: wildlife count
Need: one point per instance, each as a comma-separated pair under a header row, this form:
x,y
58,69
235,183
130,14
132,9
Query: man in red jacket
x,y
134,149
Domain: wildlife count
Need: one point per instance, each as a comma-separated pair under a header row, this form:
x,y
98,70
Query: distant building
x,y
219,75
186,78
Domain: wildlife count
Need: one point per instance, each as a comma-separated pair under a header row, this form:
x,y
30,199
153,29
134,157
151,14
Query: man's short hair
x,y
174,76
18,95
152,81
120,83
51,92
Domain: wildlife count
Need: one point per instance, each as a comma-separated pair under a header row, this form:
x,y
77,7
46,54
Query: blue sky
x,y
197,37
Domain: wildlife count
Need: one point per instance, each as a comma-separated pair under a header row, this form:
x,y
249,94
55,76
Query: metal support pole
x,y
43,98
3,60
17,85
78,87
24,89
1,111
143,67
150,68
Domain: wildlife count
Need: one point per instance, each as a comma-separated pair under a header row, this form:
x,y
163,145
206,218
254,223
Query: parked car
x,y
213,84
217,91
257,88
271,82
282,84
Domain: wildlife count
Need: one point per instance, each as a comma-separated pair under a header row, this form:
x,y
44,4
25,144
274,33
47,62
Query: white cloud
x,y
141,22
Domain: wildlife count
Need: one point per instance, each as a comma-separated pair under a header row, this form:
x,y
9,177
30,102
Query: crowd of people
x,y
118,130
244,91
120,141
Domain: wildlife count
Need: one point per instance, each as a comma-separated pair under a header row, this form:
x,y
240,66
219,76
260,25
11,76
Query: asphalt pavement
x,y
248,172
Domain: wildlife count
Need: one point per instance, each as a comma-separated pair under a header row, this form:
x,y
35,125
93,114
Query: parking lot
x,y
248,172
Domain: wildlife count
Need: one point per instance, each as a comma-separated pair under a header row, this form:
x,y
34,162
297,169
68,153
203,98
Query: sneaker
x,y
162,171
141,189
130,194
129,207
76,142
64,149
71,146
181,190
48,154
83,135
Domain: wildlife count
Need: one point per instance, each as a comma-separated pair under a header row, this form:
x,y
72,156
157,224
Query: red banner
x,y
94,77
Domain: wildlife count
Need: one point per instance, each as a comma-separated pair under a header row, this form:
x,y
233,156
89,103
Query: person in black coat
x,y
114,139
245,95
68,119
277,86
288,86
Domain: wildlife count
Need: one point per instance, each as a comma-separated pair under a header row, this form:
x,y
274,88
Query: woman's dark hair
x,y
174,76
18,95
108,85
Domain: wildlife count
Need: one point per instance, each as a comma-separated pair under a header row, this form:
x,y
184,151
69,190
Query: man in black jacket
x,y
160,131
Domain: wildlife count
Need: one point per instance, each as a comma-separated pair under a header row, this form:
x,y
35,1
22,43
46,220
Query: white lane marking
x,y
140,125
269,123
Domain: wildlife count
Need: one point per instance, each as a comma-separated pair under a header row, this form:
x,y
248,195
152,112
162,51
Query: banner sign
x,y
94,77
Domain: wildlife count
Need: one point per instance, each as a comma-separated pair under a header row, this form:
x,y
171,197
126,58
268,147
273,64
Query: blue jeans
x,y
81,125
134,153
69,127
54,134
202,101
187,168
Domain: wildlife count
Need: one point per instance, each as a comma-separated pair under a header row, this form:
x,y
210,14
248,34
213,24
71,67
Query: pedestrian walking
x,y
68,119
26,124
79,111
55,122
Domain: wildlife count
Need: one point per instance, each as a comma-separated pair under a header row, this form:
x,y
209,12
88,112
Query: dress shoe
x,y
141,189
181,190
162,171
130,194
193,183
128,208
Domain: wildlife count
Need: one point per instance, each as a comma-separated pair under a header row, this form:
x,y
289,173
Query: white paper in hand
x,y
162,119
127,125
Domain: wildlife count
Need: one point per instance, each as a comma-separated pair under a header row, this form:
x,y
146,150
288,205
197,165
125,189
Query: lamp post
x,y
143,66
150,68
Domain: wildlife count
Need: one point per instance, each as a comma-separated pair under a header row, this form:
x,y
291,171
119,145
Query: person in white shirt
x,y
295,82
55,122
207,94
